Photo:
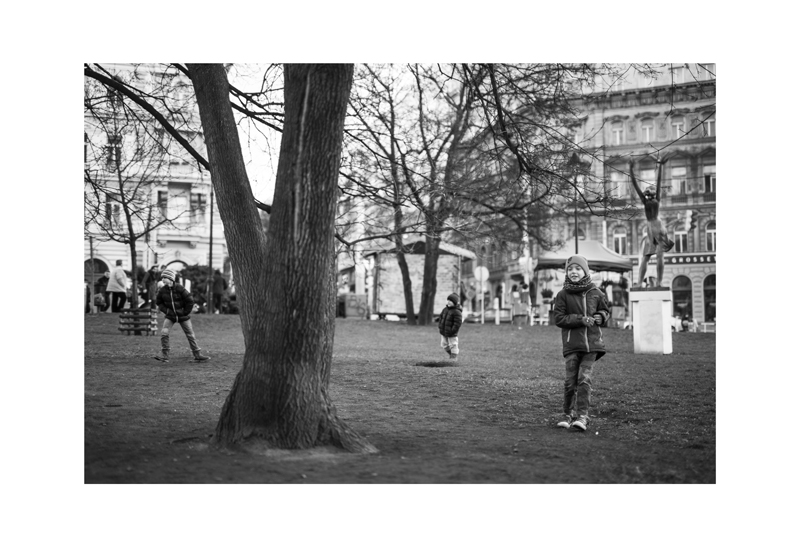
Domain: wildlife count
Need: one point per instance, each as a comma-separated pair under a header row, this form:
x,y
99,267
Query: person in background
x,y
102,290
150,284
218,288
117,287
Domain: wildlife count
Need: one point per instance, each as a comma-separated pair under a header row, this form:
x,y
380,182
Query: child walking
x,y
449,325
174,301
580,310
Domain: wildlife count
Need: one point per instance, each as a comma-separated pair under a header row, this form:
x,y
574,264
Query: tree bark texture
x,y
429,281
281,393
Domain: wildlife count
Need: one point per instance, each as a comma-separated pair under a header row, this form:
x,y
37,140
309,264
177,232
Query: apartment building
x,y
139,167
671,117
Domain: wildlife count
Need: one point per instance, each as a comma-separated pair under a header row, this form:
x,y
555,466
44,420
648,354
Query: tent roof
x,y
600,258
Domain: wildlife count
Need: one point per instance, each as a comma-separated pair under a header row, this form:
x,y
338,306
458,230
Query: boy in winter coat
x,y
449,324
580,310
174,301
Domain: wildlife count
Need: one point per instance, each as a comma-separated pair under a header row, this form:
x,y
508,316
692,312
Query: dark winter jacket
x,y
450,321
175,302
568,310
150,282
219,285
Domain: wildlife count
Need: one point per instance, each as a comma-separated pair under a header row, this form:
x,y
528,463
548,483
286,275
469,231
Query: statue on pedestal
x,y
656,240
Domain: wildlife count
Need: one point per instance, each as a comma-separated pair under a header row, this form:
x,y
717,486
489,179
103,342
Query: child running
x,y
580,310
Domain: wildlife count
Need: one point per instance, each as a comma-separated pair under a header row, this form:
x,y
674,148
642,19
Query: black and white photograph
x,y
407,274
454,271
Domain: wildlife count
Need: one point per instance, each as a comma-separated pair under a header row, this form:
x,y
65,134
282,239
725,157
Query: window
x,y
707,71
711,236
621,241
710,128
710,178
113,151
616,133
648,130
198,207
647,179
581,234
679,186
682,296
178,207
678,74
112,209
618,183
681,242
678,127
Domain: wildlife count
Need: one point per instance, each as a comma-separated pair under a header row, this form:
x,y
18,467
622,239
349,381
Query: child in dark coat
x,y
449,325
174,301
580,310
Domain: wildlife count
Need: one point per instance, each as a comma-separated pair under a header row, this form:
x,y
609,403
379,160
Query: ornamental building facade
x,y
670,118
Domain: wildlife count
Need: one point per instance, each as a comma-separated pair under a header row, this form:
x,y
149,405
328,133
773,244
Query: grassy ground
x,y
488,419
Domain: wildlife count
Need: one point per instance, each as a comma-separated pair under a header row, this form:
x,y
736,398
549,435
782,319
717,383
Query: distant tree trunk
x,y
405,275
281,393
429,280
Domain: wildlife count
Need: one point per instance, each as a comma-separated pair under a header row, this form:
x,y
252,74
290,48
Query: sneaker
x,y
566,423
581,423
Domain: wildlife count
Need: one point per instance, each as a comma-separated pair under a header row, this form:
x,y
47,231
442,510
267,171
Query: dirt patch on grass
x,y
487,418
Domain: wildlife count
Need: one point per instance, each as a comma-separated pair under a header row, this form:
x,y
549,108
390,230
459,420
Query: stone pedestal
x,y
652,320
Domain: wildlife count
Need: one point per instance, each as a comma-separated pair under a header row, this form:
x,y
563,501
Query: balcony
x,y
682,199
709,197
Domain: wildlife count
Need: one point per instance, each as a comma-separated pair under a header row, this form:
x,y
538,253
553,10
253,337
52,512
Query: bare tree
x,y
476,151
127,156
287,277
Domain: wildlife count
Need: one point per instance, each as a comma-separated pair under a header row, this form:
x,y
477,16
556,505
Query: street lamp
x,y
574,165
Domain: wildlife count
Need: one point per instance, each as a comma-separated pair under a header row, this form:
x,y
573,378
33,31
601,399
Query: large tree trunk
x,y
281,393
234,197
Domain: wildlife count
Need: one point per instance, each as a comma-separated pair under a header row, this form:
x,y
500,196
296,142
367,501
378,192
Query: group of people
x,y
580,309
113,292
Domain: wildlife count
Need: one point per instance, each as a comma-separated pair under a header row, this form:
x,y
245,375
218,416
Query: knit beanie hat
x,y
168,274
580,261
453,298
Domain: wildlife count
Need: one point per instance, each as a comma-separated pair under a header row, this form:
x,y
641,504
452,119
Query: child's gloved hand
x,y
588,321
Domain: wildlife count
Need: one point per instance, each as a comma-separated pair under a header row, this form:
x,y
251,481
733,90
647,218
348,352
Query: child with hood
x,y
449,324
580,310
174,301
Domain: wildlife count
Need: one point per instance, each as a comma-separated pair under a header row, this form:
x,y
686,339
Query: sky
x,y
259,149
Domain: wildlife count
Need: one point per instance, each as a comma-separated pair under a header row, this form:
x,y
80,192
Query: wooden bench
x,y
139,321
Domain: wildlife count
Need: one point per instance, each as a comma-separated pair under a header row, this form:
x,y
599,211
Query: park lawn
x,y
489,418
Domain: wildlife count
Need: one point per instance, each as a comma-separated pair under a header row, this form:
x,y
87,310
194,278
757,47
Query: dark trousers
x,y
578,383
217,302
118,301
